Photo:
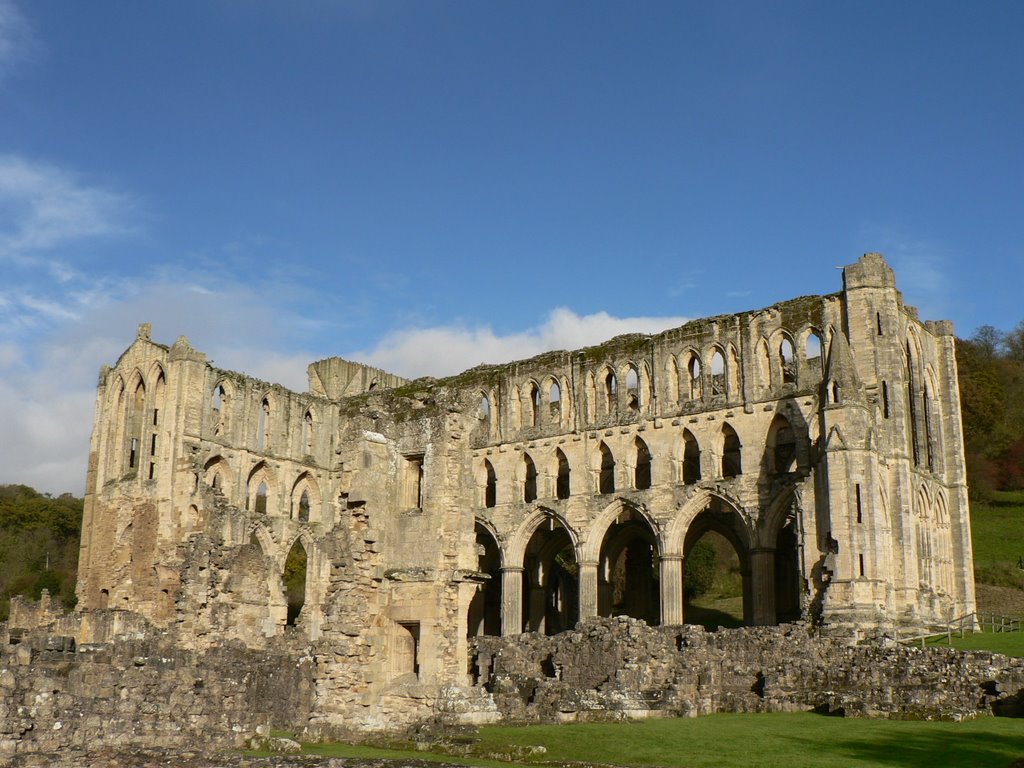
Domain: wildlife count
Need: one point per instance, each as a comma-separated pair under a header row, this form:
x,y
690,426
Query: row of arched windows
x,y
781,459
220,406
546,401
137,418
261,492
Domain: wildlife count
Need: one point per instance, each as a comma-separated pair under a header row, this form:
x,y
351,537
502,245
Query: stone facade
x,y
821,437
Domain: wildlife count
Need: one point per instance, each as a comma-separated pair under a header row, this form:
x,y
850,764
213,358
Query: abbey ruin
x,y
821,437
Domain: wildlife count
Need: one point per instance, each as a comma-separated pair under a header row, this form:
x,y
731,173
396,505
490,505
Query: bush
x,y
700,567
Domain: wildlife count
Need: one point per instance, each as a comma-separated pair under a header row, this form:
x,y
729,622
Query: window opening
x,y
530,484
693,369
294,578
562,485
260,506
785,446
885,400
263,427
691,458
534,404
307,432
860,516
642,475
606,482
611,392
133,453
304,507
731,456
555,402
787,360
717,373
491,489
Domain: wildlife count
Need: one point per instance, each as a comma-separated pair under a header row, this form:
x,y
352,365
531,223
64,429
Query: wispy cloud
x,y
923,268
445,350
43,207
16,38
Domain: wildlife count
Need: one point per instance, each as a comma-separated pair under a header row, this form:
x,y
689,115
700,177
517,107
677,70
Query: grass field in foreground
x,y
792,740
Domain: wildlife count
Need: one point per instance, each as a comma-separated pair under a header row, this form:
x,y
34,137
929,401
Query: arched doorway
x,y
627,575
485,607
550,580
716,554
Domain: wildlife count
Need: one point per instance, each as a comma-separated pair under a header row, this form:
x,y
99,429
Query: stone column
x,y
671,590
511,601
588,589
762,574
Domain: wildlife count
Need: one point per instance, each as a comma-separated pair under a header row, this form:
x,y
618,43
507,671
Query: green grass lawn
x,y
997,529
792,740
1009,643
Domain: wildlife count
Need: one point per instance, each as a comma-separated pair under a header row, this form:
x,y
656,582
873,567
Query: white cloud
x,y
16,38
43,207
446,350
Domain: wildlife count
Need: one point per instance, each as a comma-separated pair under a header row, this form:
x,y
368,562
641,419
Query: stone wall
x,y
143,693
621,668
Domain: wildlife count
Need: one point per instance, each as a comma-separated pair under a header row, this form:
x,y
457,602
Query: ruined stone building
x,y
820,437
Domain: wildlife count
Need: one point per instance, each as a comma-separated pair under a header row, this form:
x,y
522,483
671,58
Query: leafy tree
x,y
39,538
700,567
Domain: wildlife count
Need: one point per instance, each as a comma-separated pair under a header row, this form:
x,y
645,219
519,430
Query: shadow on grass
x,y
941,747
710,618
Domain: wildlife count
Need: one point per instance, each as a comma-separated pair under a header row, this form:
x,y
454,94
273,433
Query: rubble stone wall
x,y
143,693
621,668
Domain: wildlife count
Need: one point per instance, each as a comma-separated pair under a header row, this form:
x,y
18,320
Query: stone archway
x,y
628,577
550,580
484,615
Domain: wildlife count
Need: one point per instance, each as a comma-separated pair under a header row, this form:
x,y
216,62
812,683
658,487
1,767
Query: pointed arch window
x,y
633,389
260,500
562,484
263,427
782,444
534,405
693,371
732,465
691,458
555,403
490,485
606,479
642,472
530,480
787,361
718,374
307,432
611,393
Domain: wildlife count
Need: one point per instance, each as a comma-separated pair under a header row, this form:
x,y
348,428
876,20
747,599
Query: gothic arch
x,y
590,547
628,558
671,388
305,484
217,474
516,547
261,477
724,503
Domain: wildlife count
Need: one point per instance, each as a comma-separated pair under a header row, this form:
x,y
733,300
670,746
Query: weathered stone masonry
x,y
820,436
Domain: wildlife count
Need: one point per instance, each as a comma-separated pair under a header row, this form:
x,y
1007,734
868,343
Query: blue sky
x,y
429,185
